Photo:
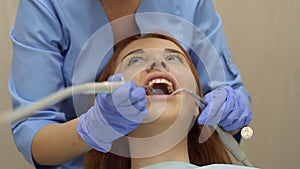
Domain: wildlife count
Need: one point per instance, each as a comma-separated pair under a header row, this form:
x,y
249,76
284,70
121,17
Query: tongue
x,y
159,89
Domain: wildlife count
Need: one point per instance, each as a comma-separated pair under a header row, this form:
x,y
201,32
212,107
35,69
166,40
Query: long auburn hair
x,y
210,152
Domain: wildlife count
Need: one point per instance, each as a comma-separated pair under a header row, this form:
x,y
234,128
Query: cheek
x,y
133,73
185,79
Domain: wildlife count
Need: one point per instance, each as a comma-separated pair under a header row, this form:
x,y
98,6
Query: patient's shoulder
x,y
184,165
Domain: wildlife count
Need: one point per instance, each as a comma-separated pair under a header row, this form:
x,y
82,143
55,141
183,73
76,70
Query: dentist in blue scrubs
x,y
48,36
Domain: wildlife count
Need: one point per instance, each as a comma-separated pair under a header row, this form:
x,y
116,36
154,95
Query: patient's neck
x,y
177,153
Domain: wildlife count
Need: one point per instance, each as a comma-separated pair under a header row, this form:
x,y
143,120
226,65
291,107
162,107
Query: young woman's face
x,y
163,66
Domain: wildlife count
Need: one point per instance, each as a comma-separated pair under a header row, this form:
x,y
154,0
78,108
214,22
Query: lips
x,y
160,84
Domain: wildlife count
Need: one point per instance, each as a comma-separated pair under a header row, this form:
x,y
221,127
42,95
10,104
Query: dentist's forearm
x,y
121,16
58,143
124,27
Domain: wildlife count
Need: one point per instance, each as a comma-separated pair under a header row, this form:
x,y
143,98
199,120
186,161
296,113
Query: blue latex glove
x,y
225,108
113,115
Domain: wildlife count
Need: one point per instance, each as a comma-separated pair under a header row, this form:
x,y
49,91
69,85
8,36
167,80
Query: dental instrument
x,y
232,146
87,88
227,139
197,98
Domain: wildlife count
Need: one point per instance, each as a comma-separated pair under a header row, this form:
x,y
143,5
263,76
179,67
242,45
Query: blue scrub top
x,y
49,35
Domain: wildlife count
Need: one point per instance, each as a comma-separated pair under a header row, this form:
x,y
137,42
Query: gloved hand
x,y
225,108
113,115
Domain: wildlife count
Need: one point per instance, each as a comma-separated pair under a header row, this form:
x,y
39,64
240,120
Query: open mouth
x,y
160,86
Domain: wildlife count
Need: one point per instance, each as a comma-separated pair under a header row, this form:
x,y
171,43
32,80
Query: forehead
x,y
147,43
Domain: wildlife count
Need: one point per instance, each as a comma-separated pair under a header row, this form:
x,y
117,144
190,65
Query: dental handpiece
x,y
227,139
232,146
87,88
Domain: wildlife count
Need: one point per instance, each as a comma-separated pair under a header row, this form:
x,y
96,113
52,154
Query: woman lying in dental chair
x,y
168,136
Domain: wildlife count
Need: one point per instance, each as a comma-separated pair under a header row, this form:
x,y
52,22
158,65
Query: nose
x,y
157,65
152,66
163,65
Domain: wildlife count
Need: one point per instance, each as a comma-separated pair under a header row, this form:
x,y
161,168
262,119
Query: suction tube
x,y
232,146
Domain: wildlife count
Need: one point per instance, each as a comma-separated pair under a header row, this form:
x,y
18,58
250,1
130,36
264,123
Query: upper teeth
x,y
165,81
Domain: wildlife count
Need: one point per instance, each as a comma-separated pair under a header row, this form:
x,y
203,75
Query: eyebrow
x,y
173,51
137,51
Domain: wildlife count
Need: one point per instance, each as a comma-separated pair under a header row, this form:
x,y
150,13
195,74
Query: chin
x,y
162,115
